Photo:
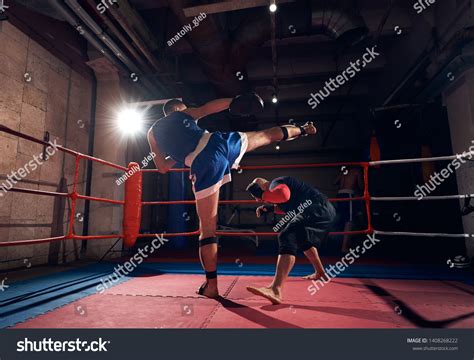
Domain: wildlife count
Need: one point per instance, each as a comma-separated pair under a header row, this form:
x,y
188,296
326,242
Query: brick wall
x,y
57,100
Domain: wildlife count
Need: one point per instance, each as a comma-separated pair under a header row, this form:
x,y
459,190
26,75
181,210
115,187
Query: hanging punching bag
x,y
374,149
427,168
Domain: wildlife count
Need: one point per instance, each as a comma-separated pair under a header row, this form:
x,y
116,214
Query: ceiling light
x,y
130,121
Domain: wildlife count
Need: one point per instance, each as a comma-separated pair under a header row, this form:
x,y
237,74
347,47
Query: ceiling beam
x,y
225,6
149,4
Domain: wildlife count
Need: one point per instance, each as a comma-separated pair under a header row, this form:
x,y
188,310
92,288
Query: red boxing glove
x,y
279,194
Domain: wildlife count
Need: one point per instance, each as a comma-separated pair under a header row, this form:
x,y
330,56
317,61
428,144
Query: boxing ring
x,y
352,300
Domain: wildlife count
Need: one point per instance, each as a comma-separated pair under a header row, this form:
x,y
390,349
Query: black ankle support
x,y
211,274
285,132
207,241
303,131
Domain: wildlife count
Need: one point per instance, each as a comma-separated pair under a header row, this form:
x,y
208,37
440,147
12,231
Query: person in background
x,y
351,185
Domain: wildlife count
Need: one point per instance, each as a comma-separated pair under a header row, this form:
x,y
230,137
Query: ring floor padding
x,y
29,298
157,300
416,272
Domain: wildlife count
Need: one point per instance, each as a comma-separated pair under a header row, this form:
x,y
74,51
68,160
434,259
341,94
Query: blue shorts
x,y
212,160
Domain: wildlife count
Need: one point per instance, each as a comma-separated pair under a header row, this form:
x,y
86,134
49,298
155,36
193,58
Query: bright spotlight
x,y
277,147
273,7
130,121
274,99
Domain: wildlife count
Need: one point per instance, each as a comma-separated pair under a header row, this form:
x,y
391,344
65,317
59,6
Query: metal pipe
x,y
73,196
84,16
73,21
227,6
121,38
71,18
102,36
339,19
394,107
460,38
136,39
90,151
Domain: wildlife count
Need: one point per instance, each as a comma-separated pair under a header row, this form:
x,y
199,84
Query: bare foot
x,y
208,291
267,293
310,128
316,276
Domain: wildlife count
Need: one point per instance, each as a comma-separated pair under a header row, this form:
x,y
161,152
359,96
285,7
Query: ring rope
x,y
237,233
74,196
417,160
231,202
411,198
401,233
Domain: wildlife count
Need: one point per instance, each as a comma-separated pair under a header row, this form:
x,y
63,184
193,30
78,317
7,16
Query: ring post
x,y
132,212
367,200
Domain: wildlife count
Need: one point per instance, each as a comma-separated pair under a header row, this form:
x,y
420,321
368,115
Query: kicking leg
x,y
258,139
207,212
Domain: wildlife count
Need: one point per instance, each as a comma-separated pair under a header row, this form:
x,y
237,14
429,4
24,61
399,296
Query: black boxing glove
x,y
269,208
255,190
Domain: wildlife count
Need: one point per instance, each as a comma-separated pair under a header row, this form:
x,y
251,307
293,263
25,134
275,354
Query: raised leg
x,y
258,139
207,212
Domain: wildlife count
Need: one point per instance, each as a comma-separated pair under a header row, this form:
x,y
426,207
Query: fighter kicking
x,y
178,138
307,227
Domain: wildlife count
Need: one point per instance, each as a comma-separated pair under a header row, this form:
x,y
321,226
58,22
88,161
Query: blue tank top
x,y
177,135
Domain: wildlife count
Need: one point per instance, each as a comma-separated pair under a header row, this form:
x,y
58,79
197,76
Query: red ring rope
x,y
73,195
133,191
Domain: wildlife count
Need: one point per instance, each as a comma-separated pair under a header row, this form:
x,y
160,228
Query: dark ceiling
x,y
241,46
